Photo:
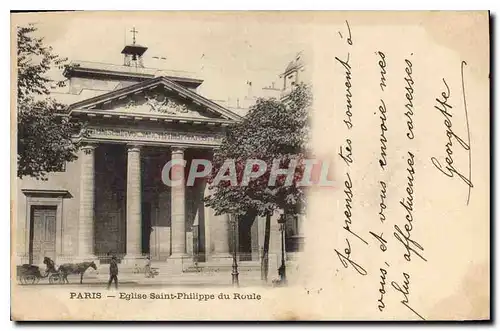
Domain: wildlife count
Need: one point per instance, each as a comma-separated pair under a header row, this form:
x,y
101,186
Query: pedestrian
x,y
113,272
147,268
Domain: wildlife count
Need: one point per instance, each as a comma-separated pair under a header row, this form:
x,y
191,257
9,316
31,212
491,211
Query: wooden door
x,y
43,234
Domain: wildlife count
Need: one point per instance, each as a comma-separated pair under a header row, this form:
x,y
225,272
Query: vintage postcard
x,y
250,166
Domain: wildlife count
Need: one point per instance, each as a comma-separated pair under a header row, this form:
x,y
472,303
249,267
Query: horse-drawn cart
x,y
30,274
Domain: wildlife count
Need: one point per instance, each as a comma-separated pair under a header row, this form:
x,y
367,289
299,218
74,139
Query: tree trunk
x,y
265,254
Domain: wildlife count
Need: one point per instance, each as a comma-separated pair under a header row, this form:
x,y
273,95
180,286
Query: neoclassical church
x,y
112,200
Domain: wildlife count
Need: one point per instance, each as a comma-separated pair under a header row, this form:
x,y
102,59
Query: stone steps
x,y
221,268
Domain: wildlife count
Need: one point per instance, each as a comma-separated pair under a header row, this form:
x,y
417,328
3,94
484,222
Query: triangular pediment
x,y
157,96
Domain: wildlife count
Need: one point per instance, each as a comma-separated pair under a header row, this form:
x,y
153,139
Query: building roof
x,y
108,69
295,64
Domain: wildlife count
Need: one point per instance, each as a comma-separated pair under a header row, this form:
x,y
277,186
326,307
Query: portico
x,y
125,207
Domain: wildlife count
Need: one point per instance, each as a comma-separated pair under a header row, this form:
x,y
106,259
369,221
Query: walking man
x,y
113,272
147,268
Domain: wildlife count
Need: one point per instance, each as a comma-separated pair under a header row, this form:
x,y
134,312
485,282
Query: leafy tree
x,y
273,129
45,141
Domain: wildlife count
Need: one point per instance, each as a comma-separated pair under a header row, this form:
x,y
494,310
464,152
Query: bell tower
x,y
132,53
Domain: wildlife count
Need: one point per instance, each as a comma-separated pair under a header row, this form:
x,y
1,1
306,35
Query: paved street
x,y
131,280
134,285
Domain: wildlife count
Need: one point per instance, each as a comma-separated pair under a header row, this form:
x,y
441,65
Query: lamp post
x,y
282,269
234,273
196,245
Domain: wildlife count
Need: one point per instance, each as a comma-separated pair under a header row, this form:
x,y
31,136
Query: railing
x,y
216,263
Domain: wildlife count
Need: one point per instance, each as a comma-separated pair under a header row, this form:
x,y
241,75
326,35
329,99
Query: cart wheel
x,y
21,280
54,278
29,279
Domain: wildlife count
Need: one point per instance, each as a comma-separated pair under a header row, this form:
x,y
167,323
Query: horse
x,y
75,268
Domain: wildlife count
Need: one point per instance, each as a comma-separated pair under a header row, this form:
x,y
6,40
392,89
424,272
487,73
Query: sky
x,y
225,50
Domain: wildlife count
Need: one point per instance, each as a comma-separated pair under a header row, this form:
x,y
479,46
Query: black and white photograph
x,y
97,127
250,165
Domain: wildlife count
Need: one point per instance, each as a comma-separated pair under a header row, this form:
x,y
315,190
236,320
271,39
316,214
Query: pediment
x,y
157,101
158,96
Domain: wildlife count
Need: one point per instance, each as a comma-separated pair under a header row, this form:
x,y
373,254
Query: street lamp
x,y
196,244
234,272
282,268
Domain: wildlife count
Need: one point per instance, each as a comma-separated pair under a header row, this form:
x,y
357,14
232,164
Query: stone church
x,y
112,200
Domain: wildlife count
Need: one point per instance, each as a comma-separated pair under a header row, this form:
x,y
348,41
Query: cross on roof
x,y
134,31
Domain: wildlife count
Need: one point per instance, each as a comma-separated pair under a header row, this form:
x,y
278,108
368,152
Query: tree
x,y
45,136
273,129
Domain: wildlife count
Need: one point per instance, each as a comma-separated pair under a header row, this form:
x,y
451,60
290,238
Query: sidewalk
x,y
128,281
183,279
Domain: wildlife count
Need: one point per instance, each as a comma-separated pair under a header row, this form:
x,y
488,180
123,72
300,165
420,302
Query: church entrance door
x,y
42,234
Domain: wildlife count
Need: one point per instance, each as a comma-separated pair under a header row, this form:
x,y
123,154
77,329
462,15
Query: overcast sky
x,y
226,50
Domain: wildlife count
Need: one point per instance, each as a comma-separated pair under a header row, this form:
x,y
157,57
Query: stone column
x,y
178,207
134,204
86,214
220,231
274,245
255,239
207,225
217,230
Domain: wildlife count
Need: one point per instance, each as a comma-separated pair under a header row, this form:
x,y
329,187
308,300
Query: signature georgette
x,y
450,169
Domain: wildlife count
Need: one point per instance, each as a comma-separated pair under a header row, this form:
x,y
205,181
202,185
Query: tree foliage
x,y
45,141
273,129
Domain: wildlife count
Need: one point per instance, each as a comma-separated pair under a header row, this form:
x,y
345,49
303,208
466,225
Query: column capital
x,y
88,148
134,147
177,149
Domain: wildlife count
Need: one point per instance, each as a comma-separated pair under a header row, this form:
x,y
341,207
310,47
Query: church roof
x,y
149,84
97,68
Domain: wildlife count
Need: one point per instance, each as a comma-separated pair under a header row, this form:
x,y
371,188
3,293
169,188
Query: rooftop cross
x,y
134,31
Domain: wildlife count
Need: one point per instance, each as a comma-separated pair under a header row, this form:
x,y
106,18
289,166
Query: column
x,y
134,214
207,224
178,207
221,229
274,245
86,214
255,239
217,230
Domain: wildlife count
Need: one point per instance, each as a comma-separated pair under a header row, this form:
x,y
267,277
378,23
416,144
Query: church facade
x,y
112,199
